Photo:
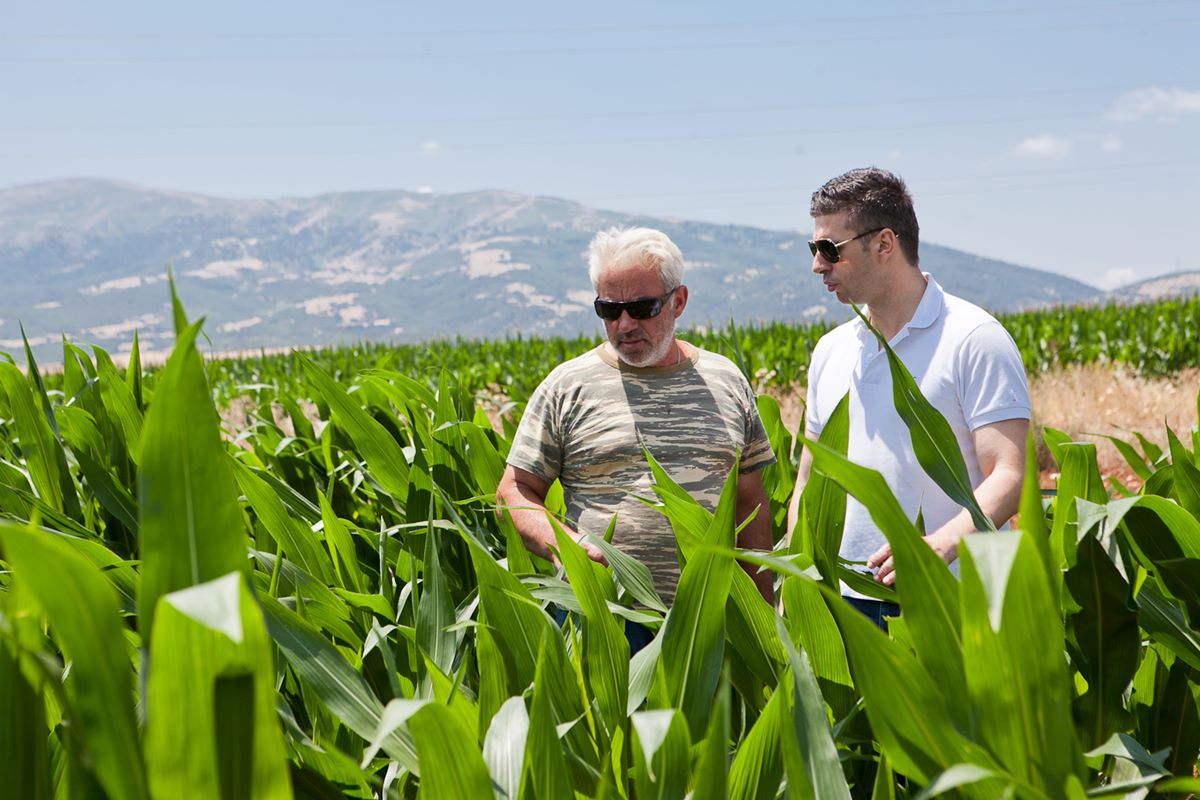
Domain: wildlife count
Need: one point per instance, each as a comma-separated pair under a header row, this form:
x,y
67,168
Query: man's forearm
x,y
757,536
998,495
529,516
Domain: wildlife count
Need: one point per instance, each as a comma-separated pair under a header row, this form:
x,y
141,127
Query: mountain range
x,y
90,258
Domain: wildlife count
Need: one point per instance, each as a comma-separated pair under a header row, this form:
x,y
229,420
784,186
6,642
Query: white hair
x,y
626,247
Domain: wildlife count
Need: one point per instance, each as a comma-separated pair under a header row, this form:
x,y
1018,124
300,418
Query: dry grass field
x,y
1092,402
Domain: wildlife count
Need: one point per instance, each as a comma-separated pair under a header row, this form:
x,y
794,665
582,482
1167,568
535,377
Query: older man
x,y
587,423
864,248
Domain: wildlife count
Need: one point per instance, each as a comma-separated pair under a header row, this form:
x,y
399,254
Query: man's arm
x,y
1000,448
523,495
751,495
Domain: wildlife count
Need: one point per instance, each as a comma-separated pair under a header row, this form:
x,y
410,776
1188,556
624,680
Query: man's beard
x,y
649,357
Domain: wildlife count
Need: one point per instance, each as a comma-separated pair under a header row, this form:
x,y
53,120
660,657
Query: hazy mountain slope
x,y
89,257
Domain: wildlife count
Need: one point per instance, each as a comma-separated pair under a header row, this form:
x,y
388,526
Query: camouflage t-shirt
x,y
586,425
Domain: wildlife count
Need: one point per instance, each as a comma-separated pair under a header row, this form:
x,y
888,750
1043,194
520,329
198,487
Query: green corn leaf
x,y
340,688
38,444
190,523
1012,653
605,649
758,766
1054,440
1166,624
1134,459
1187,477
661,754
933,441
451,764
694,633
82,609
1080,478
212,676
823,501
545,764
133,373
341,547
927,591
813,769
908,708
811,624
711,778
1104,640
435,614
24,754
120,402
504,746
382,453
294,537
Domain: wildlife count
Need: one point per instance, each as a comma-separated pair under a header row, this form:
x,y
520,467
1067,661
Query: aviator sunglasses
x,y
829,249
642,308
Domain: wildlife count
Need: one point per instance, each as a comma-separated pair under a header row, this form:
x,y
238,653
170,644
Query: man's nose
x,y
626,322
820,266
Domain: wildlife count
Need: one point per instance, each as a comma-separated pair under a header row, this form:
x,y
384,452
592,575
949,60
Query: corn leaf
x,y
451,765
82,609
190,523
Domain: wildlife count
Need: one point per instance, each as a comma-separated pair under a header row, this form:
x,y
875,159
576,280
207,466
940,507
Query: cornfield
x,y
335,609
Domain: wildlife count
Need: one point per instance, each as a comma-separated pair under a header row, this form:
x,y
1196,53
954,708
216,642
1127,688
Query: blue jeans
x,y
875,610
637,634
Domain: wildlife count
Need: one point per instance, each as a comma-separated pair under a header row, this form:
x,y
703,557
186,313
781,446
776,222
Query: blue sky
x,y
1057,135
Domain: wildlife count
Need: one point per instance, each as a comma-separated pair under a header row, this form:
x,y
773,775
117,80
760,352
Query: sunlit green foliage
x,y
330,606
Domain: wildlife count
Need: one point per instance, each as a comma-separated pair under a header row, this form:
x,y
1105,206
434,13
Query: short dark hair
x,y
872,198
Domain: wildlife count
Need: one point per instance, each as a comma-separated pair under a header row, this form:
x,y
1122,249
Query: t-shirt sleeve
x,y
991,377
757,453
537,444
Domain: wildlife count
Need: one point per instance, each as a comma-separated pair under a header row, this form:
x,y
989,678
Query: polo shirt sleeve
x,y
537,444
990,377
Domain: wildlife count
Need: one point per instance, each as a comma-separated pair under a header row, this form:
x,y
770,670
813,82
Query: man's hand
x,y
523,495
1000,448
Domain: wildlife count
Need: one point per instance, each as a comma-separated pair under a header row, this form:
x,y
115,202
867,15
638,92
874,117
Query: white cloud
x,y
424,190
1110,144
430,147
1118,277
43,306
1161,104
1045,146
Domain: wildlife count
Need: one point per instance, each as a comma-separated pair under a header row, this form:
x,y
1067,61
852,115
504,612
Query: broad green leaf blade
x,y
605,648
383,454
190,522
435,614
1080,478
1187,477
1104,641
712,767
1012,653
928,593
38,444
504,746
120,401
451,764
823,501
340,688
294,537
933,441
545,763
694,634
82,609
819,764
661,755
909,710
758,767
211,675
24,756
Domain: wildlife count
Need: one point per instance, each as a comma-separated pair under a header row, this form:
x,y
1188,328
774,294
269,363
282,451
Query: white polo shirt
x,y
965,364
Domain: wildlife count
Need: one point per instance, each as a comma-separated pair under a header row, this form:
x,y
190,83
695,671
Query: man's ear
x,y
888,245
679,300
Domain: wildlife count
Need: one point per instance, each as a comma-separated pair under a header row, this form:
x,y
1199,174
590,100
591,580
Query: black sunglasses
x,y
829,249
642,308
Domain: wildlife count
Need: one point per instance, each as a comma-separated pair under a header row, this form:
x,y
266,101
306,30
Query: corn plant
x,y
332,607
